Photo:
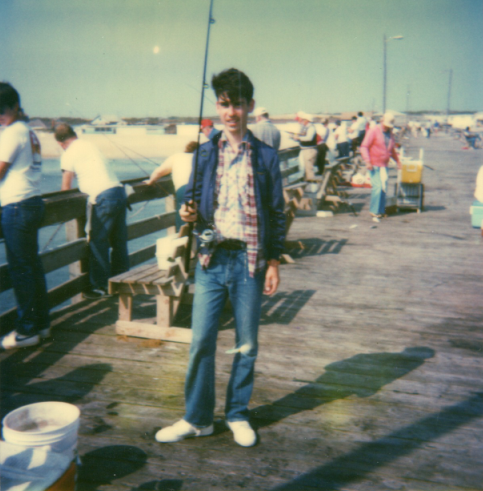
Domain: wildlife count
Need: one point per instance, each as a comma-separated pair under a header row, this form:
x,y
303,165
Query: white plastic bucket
x,y
48,425
165,249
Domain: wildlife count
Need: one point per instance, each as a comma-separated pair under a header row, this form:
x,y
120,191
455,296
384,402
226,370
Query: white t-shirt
x,y
362,121
20,147
181,168
479,185
354,130
93,172
341,133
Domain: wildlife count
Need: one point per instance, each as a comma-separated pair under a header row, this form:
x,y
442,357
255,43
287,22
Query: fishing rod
x,y
195,169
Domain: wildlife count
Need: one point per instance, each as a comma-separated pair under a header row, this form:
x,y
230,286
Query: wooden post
x,y
75,229
125,306
170,205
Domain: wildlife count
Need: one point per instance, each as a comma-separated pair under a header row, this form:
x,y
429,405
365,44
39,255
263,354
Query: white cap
x,y
303,115
388,120
259,111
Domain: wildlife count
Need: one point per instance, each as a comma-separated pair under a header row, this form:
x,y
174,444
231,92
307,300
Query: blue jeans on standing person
x,y
226,276
378,195
344,149
20,224
108,230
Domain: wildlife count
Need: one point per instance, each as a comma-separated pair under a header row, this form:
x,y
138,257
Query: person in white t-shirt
x,y
340,136
179,166
22,214
106,210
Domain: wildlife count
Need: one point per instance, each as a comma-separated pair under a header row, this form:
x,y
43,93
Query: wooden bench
x,y
166,285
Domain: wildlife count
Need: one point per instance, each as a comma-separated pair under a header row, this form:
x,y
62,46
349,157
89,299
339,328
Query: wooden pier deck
x,y
370,374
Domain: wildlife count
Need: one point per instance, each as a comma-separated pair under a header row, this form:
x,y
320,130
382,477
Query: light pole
x,y
449,91
384,83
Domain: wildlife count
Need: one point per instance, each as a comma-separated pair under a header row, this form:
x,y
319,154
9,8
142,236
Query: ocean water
x,y
54,236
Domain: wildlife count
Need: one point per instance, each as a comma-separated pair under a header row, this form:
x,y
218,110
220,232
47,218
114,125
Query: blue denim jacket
x,y
268,192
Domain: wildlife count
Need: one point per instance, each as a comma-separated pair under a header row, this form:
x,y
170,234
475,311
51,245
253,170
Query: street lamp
x,y
449,90
385,69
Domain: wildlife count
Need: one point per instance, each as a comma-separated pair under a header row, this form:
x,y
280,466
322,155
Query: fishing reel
x,y
206,237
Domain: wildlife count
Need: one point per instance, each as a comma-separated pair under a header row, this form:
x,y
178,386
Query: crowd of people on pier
x,y
231,187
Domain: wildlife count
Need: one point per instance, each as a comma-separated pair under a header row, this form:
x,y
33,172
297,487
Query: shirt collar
x,y
244,143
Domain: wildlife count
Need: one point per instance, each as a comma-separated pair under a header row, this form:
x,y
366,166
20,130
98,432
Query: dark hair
x,y
233,83
64,132
8,97
360,113
191,147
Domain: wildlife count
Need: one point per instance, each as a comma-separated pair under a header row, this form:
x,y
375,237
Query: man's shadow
x,y
361,376
71,387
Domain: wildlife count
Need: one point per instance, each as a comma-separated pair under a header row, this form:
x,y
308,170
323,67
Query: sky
x,y
138,58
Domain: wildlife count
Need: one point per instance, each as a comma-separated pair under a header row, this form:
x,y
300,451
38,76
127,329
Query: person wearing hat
x,y
308,144
376,150
264,129
207,129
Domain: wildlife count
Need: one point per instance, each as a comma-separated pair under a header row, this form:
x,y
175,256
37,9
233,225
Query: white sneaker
x,y
181,430
243,433
16,340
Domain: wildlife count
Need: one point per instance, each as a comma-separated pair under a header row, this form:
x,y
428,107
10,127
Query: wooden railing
x,y
69,208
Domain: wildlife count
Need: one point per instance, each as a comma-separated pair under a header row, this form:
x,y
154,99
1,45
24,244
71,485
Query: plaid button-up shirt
x,y
235,204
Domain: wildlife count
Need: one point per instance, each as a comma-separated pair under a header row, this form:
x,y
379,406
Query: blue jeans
x,y
471,140
378,196
20,224
108,230
227,276
344,149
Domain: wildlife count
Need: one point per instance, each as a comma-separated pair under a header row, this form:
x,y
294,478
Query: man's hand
x,y
272,278
188,212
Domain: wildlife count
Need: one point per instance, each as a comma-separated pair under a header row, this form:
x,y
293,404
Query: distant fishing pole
x,y
195,169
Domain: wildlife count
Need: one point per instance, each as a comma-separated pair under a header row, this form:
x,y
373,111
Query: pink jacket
x,y
374,150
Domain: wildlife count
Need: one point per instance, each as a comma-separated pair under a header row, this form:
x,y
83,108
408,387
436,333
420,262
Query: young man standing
x,y
237,200
106,207
22,214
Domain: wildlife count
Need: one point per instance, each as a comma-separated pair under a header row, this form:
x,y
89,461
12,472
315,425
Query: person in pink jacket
x,y
377,148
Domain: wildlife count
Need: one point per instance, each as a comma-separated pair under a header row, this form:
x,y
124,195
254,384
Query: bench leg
x,y
165,310
125,307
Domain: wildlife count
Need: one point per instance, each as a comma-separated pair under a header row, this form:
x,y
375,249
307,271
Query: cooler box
x,y
476,211
412,171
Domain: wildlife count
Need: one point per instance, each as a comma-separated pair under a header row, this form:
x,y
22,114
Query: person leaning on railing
x,y
179,166
22,213
106,207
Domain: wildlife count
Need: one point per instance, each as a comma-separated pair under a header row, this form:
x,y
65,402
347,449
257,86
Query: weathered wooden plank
x,y
150,225
51,260
150,331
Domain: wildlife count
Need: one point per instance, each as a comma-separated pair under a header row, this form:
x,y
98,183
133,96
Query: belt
x,y
233,245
